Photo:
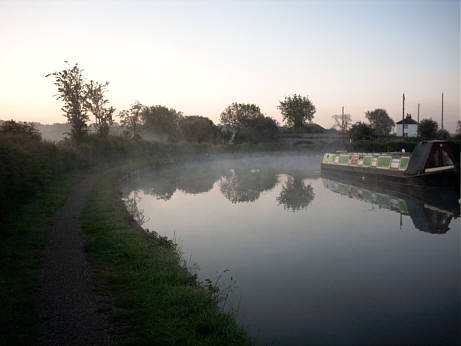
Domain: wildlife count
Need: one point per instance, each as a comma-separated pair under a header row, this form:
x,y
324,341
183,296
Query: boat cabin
x,y
428,157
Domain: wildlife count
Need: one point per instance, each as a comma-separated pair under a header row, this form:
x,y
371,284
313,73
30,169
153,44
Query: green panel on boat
x,y
331,158
367,161
404,162
344,159
384,161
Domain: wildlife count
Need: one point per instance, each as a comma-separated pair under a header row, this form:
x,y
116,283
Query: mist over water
x,y
316,261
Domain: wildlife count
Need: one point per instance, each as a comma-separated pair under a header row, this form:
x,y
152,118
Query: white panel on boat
x,y
395,163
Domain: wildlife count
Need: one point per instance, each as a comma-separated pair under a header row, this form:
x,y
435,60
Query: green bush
x,y
28,164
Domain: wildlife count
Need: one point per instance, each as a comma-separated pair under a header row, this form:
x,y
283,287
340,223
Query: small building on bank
x,y
410,127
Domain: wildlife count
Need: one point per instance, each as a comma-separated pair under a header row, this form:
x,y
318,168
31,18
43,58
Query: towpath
x,y
67,299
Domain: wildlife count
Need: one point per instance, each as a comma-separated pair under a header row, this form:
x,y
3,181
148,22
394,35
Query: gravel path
x,y
67,301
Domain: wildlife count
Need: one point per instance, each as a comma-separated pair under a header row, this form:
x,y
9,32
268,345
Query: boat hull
x,y
443,179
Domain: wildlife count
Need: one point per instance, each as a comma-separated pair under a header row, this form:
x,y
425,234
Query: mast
x,y
442,111
342,119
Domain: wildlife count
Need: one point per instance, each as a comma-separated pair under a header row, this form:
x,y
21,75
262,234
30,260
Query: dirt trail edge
x,y
67,298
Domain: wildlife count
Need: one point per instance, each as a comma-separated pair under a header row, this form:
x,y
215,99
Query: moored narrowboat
x,y
431,164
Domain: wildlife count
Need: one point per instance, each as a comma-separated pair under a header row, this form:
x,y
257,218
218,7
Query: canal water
x,y
304,259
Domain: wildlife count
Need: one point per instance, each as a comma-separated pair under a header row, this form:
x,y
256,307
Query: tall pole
x,y
342,119
442,111
403,113
417,131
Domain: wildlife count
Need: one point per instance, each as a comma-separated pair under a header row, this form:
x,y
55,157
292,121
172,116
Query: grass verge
x,y
158,300
22,238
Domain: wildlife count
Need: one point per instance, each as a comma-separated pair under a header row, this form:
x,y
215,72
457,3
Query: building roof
x,y
408,120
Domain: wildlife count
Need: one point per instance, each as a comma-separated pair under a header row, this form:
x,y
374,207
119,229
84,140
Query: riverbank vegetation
x,y
153,294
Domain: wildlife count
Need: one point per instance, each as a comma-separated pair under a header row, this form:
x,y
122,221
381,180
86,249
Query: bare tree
x,y
342,122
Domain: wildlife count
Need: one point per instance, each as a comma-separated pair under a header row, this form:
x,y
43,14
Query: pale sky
x,y
200,56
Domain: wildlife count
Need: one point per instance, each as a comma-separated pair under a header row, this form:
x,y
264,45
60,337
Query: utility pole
x,y
417,131
342,119
442,111
403,114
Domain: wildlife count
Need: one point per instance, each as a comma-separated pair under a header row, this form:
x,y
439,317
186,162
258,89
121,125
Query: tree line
x,y
239,122
380,125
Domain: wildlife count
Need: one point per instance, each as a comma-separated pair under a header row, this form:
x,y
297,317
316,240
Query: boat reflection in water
x,y
430,212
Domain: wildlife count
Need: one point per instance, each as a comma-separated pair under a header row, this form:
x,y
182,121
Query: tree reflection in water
x,y
238,180
197,178
163,186
295,195
192,178
245,185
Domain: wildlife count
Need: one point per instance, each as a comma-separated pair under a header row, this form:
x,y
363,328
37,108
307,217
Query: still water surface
x,y
316,260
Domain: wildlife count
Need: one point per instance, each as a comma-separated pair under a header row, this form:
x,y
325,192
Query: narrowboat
x,y
431,164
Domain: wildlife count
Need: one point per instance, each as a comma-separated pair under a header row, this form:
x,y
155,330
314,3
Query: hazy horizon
x,y
198,57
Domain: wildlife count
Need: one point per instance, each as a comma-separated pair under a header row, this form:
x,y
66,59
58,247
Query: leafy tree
x,y
197,129
380,122
162,120
428,128
342,124
361,131
250,123
261,129
20,131
296,110
132,119
237,115
72,91
443,134
96,103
